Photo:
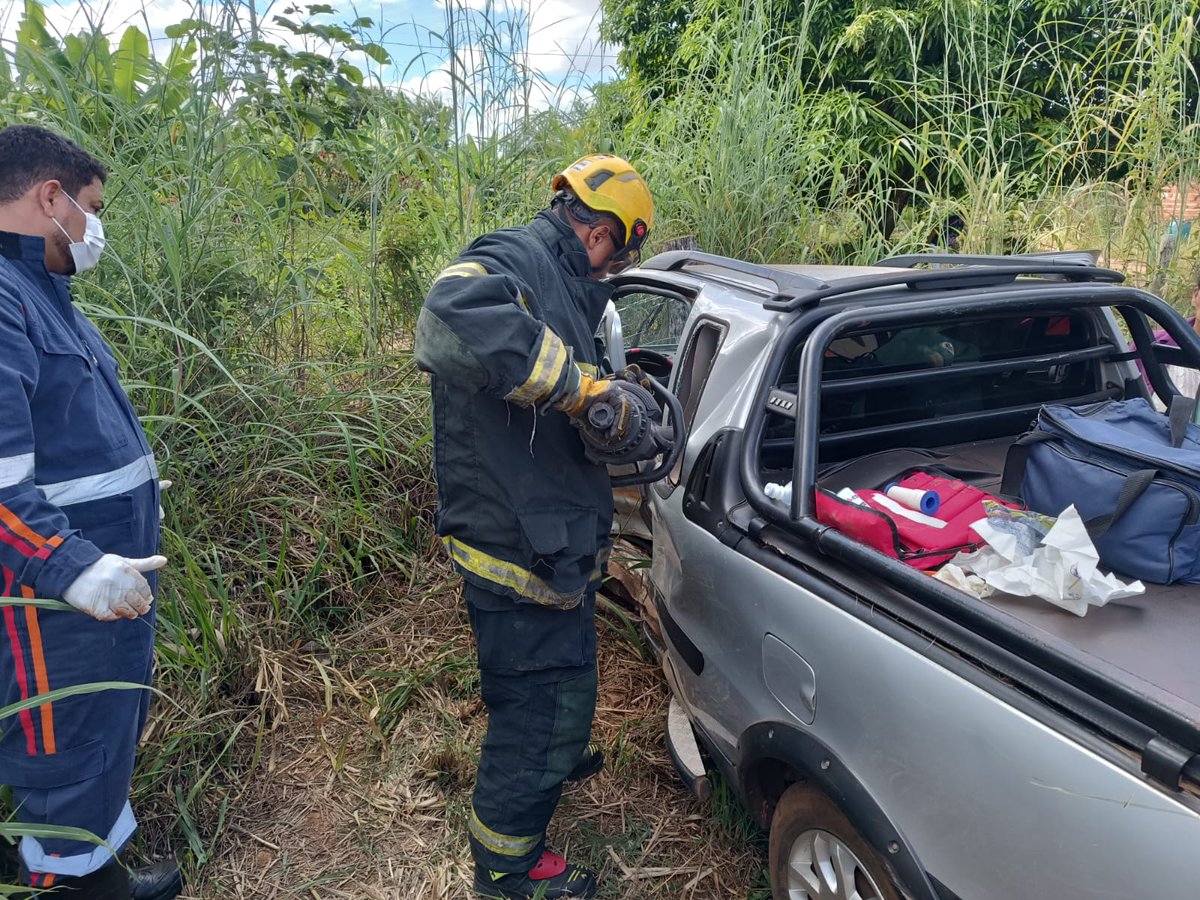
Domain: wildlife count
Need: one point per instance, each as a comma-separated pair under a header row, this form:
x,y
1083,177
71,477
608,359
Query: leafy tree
x,y
650,35
942,91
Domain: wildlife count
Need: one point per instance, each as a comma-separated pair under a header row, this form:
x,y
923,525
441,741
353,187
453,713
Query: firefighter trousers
x,y
537,668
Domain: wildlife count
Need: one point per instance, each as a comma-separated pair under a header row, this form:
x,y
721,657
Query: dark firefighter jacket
x,y
521,511
77,478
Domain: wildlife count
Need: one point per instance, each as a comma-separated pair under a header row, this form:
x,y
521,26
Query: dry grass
x,y
367,769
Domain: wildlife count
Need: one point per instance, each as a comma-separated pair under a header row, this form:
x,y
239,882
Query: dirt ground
x,y
363,784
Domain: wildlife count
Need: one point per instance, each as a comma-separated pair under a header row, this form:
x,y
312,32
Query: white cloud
x,y
434,74
555,42
565,37
561,37
491,96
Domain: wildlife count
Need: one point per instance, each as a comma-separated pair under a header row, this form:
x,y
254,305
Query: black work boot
x,y
590,763
158,881
552,878
108,883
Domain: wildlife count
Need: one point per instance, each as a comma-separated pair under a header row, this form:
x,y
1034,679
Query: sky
x,y
560,36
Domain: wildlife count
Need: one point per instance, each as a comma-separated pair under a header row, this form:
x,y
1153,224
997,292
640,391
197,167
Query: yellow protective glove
x,y
590,389
634,375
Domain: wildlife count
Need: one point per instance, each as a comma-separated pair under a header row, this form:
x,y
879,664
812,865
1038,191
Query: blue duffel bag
x,y
1132,472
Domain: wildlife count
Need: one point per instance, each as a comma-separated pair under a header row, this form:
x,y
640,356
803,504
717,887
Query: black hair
x,y
30,154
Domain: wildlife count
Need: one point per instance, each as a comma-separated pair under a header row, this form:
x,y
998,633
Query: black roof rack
x,y
784,281
797,290
1065,257
945,279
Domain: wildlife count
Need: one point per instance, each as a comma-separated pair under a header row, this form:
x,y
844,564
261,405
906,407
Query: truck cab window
x,y
875,379
695,364
652,325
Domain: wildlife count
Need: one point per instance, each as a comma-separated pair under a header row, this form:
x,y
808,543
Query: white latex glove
x,y
162,486
113,587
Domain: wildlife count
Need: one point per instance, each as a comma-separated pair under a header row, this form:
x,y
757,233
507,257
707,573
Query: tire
x,y
816,854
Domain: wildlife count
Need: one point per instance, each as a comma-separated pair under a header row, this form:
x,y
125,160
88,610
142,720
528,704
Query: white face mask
x,y
86,252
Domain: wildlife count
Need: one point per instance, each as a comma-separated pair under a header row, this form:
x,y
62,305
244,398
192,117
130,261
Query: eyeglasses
x,y
629,255
622,261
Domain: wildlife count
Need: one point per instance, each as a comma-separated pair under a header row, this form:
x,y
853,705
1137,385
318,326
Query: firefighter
x,y
79,521
507,333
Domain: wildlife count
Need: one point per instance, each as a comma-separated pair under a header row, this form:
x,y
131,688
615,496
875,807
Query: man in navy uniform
x,y
79,522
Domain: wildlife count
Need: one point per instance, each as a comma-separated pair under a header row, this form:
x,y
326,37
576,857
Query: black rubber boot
x,y
590,763
552,878
158,881
108,883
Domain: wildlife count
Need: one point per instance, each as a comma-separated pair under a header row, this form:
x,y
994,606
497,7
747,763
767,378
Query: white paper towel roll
x,y
927,502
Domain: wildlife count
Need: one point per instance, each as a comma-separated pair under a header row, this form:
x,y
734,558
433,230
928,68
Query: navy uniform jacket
x,y
522,512
77,478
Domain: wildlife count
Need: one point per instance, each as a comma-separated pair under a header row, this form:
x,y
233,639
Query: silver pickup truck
x,y
898,737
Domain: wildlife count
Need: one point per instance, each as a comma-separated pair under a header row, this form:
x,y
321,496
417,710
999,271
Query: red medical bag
x,y
907,534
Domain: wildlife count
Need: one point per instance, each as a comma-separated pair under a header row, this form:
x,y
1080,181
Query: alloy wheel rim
x,y
822,867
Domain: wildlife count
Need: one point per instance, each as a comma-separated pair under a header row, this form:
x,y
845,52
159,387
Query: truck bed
x,y
1150,639
1147,643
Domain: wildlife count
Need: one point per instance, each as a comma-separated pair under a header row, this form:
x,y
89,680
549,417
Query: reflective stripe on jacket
x,y
522,512
77,477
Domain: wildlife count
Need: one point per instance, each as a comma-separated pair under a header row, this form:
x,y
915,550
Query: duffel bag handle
x,y
1181,412
1135,485
1014,463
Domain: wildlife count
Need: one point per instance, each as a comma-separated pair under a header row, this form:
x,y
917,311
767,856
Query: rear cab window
x,y
873,379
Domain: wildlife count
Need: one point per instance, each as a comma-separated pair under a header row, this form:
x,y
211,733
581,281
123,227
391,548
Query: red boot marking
x,y
548,866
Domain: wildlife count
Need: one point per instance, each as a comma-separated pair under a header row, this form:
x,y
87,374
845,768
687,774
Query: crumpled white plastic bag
x,y
1061,567
957,576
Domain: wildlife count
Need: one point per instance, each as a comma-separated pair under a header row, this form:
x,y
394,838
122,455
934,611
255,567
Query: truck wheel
x,y
816,854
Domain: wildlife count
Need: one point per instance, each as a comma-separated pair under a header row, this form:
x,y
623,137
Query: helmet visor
x,y
631,253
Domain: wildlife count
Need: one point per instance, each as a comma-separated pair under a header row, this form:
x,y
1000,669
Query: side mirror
x,y
610,334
